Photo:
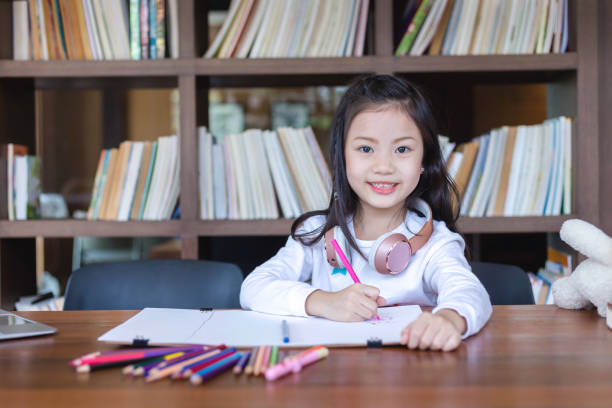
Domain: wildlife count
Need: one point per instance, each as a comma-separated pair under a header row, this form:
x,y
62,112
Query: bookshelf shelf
x,y
218,228
289,66
486,63
535,224
74,68
71,228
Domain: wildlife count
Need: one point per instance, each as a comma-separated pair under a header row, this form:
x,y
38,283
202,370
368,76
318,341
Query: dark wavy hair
x,y
435,186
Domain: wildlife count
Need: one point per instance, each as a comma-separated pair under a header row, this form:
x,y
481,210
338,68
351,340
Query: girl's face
x,y
383,153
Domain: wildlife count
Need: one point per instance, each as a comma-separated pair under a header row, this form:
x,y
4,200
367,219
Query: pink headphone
x,y
391,252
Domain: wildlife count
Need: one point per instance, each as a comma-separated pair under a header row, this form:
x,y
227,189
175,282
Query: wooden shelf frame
x,y
189,72
225,228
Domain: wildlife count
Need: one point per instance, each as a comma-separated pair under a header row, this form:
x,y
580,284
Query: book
x,y
250,31
21,36
149,177
470,150
466,200
219,179
173,28
20,202
438,37
413,28
499,194
98,181
429,28
214,47
34,188
143,172
160,24
131,178
135,48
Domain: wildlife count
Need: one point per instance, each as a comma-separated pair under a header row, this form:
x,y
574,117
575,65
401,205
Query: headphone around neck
x,y
391,252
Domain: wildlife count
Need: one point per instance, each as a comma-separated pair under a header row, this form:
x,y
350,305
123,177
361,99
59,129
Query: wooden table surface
x,y
527,356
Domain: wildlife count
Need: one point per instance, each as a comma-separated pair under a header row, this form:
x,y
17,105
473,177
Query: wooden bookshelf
x,y
575,73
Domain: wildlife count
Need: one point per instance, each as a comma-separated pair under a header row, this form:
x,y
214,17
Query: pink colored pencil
x,y
112,358
265,359
345,261
162,350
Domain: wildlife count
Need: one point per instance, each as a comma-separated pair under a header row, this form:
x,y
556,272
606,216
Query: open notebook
x,y
241,328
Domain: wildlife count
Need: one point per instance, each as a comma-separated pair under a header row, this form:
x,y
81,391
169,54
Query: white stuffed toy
x,y
591,281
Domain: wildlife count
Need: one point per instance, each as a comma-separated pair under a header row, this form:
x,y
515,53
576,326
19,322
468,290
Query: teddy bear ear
x,y
588,240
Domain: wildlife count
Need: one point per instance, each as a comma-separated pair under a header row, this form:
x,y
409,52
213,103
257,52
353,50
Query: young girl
x,y
389,182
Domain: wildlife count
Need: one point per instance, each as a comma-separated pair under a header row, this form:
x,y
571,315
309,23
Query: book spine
x,y
135,29
413,28
144,29
152,29
160,39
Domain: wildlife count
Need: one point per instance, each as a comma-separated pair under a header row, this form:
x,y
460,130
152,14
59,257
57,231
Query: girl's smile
x,y
383,188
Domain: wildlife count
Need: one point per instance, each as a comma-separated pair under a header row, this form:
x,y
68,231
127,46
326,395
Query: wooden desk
x,y
531,356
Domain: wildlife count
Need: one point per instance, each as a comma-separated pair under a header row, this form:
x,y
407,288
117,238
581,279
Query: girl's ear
x,y
422,170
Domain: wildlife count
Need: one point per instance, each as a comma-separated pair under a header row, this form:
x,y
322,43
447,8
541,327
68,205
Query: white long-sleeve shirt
x,y
438,275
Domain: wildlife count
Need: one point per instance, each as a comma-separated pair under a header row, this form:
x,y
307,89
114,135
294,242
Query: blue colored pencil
x,y
189,369
215,369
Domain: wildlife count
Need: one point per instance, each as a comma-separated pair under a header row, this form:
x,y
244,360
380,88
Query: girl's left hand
x,y
440,331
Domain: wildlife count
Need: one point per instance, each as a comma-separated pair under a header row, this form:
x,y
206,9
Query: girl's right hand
x,y
352,304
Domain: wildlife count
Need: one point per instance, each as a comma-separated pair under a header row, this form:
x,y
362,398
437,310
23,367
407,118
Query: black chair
x,y
506,284
173,283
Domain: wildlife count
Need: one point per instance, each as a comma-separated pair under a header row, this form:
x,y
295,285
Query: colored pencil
x,y
273,356
285,330
242,362
186,371
294,364
187,356
86,368
215,369
257,366
110,358
159,350
132,368
248,370
265,359
157,374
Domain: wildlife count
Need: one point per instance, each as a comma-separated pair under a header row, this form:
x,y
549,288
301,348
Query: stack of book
x,y
292,28
516,171
137,181
95,30
246,174
21,173
462,27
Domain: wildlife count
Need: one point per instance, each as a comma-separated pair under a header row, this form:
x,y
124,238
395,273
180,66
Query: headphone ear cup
x,y
374,251
341,240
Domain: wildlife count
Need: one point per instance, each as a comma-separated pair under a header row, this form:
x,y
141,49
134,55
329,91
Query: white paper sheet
x,y
243,328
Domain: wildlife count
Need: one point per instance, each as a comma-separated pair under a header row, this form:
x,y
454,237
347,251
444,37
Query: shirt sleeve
x,y
449,275
279,285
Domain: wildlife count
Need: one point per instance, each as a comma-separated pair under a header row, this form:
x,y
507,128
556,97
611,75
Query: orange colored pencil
x,y
257,367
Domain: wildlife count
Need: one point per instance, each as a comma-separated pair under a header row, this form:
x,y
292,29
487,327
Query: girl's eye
x,y
365,149
403,149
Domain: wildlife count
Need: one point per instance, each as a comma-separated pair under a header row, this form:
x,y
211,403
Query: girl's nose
x,y
383,164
